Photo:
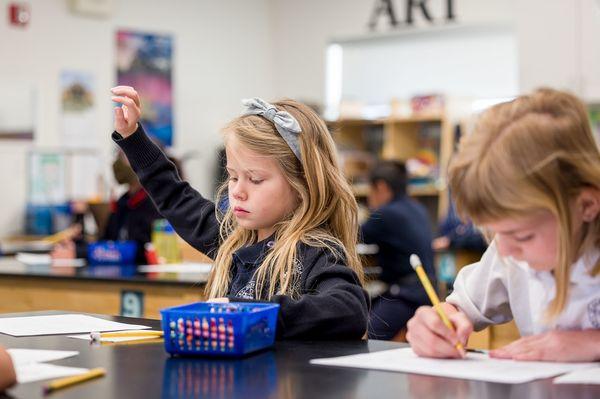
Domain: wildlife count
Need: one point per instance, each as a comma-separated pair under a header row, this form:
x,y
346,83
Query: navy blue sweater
x,y
400,228
332,305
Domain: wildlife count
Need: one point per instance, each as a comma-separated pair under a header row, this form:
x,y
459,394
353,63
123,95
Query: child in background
x,y
399,226
289,232
458,234
7,372
530,175
131,217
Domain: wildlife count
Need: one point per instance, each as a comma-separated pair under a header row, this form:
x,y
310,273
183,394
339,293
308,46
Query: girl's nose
x,y
238,192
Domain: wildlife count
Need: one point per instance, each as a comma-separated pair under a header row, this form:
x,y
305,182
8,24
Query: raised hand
x,y
128,114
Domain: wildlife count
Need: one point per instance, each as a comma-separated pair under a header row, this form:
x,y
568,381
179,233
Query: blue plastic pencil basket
x,y
219,329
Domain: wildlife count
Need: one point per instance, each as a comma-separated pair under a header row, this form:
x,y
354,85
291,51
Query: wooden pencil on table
x,y
76,379
96,336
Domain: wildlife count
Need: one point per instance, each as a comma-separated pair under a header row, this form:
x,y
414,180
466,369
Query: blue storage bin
x,y
43,220
112,252
219,329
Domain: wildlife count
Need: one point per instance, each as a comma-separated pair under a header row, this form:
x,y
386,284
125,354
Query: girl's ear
x,y
588,204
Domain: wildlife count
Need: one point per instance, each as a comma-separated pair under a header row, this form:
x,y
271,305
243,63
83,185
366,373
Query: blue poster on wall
x,y
144,61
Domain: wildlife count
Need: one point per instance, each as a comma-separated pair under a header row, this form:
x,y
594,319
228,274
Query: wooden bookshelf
x,y
361,142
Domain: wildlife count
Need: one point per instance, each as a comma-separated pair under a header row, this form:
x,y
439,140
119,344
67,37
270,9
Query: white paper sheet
x,y
42,371
14,246
87,337
475,367
46,260
26,356
33,259
60,324
77,262
585,376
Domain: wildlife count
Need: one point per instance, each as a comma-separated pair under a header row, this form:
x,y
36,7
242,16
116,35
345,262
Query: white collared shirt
x,y
496,290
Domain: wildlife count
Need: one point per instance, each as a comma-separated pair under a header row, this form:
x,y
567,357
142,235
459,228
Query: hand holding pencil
x,y
439,331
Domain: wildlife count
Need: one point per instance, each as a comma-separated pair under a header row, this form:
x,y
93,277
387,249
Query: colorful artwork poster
x,y
144,61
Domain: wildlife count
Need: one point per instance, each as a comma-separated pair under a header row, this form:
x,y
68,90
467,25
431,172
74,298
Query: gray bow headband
x,y
287,126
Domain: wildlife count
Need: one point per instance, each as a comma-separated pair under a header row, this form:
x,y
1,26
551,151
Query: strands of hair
x,y
536,152
326,215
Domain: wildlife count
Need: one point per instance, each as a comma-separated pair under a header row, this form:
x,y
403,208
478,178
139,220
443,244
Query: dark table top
x,y
101,273
10,267
147,371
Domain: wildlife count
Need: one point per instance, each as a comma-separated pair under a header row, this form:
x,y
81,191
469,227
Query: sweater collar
x,y
254,253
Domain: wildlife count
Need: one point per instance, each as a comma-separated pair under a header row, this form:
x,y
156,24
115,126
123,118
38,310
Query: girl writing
x,y
529,174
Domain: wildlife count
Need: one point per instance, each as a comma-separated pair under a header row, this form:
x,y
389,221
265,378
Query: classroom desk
x,y
146,371
95,289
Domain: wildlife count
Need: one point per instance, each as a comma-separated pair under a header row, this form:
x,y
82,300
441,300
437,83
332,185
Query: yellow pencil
x,y
96,336
67,233
68,381
416,264
134,342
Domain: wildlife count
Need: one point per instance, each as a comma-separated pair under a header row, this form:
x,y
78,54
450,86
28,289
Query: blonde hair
x,y
534,153
325,217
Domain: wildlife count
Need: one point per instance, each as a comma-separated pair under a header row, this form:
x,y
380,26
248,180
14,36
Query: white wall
x,y
559,45
557,39
478,62
222,53
229,49
548,43
304,28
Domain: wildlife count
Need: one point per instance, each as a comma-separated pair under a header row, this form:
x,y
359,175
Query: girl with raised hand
x,y
288,233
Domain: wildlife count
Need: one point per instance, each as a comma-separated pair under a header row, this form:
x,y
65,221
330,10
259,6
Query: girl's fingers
x,y
431,345
123,125
500,354
120,121
128,114
516,348
127,91
564,346
530,355
429,336
434,323
523,343
462,325
127,102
